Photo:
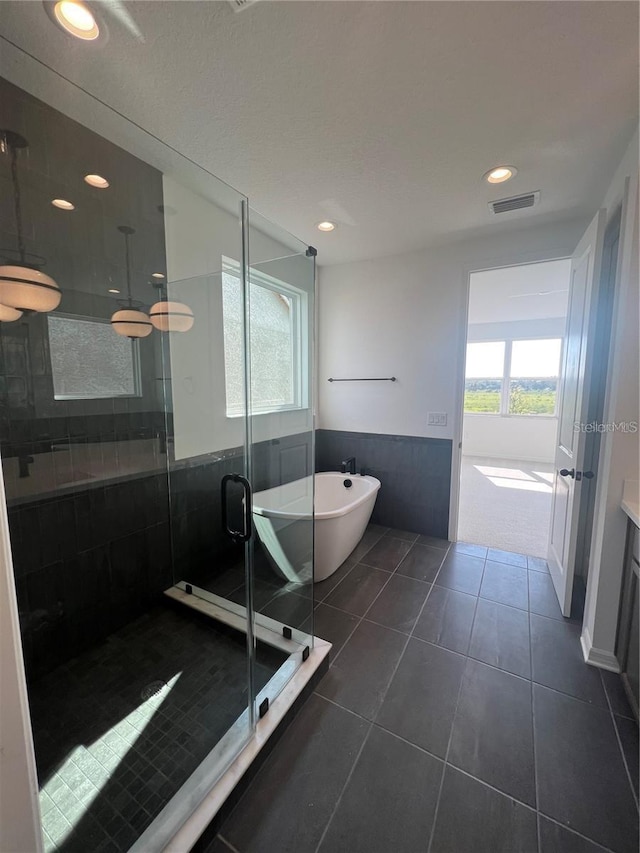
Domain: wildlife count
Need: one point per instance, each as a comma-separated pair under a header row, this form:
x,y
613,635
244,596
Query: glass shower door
x,y
280,342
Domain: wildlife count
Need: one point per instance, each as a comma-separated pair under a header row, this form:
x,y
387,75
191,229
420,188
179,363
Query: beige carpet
x,y
505,504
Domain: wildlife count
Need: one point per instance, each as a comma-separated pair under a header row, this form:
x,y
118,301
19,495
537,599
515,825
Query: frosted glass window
x,y
88,359
274,342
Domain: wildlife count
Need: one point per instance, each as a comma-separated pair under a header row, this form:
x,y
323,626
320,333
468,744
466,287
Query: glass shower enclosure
x,y
165,461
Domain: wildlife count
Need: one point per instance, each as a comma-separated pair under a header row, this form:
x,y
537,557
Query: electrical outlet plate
x,y
437,419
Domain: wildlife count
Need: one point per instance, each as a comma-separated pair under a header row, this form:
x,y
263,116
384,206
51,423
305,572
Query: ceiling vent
x,y
515,202
239,5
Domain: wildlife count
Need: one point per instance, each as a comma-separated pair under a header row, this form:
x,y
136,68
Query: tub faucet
x,y
348,466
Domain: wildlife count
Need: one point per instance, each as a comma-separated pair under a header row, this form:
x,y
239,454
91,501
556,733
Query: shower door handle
x,y
237,535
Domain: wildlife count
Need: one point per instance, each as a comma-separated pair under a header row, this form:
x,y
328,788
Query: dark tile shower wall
x,y
91,543
415,474
93,547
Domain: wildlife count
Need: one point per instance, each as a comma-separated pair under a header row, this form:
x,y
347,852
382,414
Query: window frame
x,y
505,391
135,361
299,300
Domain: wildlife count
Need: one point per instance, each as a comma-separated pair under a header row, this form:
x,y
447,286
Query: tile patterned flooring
x,y
109,759
457,715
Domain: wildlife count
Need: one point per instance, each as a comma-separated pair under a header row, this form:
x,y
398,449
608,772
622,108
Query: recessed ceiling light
x,y
97,181
113,290
325,226
157,275
63,204
77,19
500,174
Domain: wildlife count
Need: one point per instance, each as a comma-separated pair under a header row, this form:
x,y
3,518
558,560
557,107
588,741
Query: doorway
x,y
515,335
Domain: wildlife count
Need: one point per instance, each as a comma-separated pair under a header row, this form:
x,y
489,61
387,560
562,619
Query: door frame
x,y
521,260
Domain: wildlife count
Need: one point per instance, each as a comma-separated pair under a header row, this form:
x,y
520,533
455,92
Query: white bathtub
x,y
282,518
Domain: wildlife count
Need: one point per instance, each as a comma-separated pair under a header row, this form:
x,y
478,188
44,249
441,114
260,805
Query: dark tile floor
x,y
457,715
289,603
110,756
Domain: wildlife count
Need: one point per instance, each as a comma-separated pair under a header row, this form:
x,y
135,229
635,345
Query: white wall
x,y
619,453
198,235
405,316
527,438
523,292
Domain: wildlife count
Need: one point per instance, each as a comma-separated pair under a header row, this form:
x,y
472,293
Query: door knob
x,y
567,472
588,475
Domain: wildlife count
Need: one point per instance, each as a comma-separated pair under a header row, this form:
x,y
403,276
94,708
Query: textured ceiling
x,y
380,115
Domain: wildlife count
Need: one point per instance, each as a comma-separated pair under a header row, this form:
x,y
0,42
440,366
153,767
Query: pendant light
x,y
170,316
130,322
22,286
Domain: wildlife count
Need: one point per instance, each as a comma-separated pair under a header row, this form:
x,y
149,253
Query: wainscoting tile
x,y
405,501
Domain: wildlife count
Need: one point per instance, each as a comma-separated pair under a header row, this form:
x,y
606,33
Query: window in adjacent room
x,y
513,377
484,377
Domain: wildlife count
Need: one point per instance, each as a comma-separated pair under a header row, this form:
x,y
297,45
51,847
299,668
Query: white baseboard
x,y
597,657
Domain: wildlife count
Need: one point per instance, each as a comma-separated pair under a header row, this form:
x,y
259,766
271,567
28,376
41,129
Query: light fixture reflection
x,y
23,286
63,204
171,316
9,315
129,321
96,181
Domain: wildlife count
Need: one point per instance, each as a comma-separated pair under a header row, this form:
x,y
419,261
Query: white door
x,y
573,408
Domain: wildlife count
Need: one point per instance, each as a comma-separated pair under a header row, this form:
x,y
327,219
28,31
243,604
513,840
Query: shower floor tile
x,y
119,729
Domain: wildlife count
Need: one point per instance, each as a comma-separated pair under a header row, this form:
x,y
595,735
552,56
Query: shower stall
x,y
173,380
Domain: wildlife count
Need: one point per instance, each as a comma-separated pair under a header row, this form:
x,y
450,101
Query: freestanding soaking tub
x,y
343,507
